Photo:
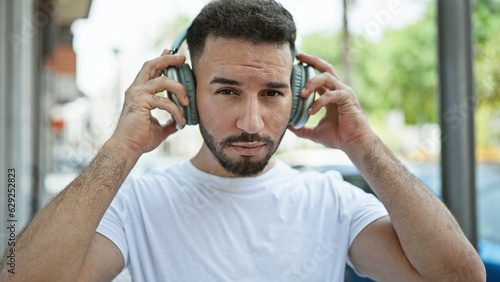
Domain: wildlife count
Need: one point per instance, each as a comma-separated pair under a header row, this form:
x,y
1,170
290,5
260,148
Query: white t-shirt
x,y
182,224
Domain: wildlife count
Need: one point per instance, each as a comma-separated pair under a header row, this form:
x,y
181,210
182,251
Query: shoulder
x,y
330,180
155,184
326,186
154,177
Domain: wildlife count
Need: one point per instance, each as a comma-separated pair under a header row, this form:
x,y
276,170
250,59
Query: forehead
x,y
220,52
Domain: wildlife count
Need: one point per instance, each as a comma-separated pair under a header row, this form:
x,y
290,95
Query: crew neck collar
x,y
234,183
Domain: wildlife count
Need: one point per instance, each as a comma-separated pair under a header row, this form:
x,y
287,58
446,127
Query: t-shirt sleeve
x,y
363,208
368,209
113,221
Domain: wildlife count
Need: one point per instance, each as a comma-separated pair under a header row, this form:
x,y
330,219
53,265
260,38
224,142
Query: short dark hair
x,y
257,21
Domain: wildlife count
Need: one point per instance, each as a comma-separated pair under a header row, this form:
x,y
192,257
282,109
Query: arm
x,y
428,235
54,246
421,240
103,261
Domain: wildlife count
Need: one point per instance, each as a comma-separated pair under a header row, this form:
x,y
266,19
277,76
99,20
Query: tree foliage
x,y
487,70
400,70
397,72
487,59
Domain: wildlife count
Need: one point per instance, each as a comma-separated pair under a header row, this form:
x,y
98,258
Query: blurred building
x,y
37,77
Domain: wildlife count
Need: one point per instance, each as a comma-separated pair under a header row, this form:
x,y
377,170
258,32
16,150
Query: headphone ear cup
x,y
184,75
299,115
296,84
187,79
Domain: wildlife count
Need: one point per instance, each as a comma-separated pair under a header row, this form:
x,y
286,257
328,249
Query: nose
x,y
250,117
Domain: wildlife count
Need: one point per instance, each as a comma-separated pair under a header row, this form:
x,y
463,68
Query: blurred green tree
x,y
487,70
397,72
400,70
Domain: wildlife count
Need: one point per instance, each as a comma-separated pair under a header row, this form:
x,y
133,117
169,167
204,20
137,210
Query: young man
x,y
232,213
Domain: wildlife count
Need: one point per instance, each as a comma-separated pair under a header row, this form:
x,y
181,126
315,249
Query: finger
x,y
319,64
154,68
322,83
166,130
160,71
165,52
162,103
163,83
169,128
304,132
340,98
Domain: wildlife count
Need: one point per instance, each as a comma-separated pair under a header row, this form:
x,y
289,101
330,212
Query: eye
x,y
225,91
272,93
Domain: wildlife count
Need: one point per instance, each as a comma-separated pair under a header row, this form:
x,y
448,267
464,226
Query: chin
x,y
245,167
240,161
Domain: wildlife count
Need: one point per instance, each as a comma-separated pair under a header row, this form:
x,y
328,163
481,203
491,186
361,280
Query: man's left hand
x,y
344,121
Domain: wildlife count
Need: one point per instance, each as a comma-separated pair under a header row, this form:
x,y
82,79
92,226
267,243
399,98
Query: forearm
x,y
53,246
429,235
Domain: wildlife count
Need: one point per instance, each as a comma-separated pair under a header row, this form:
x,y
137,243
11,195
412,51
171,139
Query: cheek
x,y
215,117
277,117
280,112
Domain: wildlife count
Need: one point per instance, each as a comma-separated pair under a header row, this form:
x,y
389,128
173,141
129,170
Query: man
x,y
232,213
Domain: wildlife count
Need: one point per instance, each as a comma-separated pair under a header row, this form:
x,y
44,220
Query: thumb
x,y
169,128
303,132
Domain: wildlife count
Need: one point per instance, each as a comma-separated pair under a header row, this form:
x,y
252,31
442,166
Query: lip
x,y
248,148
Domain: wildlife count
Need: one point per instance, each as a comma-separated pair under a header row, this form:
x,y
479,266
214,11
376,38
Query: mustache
x,y
246,137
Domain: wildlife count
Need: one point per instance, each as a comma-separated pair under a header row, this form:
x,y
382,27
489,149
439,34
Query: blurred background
x,y
65,65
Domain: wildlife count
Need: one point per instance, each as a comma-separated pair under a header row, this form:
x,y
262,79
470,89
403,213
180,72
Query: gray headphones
x,y
183,74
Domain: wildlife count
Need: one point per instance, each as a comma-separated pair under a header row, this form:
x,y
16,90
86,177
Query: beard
x,y
247,165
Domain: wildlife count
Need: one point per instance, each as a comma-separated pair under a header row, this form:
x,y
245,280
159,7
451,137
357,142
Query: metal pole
x,y
17,77
457,107
346,52
4,27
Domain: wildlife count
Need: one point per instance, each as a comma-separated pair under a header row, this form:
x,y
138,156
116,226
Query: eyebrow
x,y
227,81
277,85
222,80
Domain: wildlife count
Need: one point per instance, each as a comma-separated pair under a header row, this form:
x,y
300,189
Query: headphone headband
x,y
178,40
183,34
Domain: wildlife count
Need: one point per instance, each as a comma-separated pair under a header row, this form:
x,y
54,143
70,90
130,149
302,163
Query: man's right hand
x,y
61,243
137,129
